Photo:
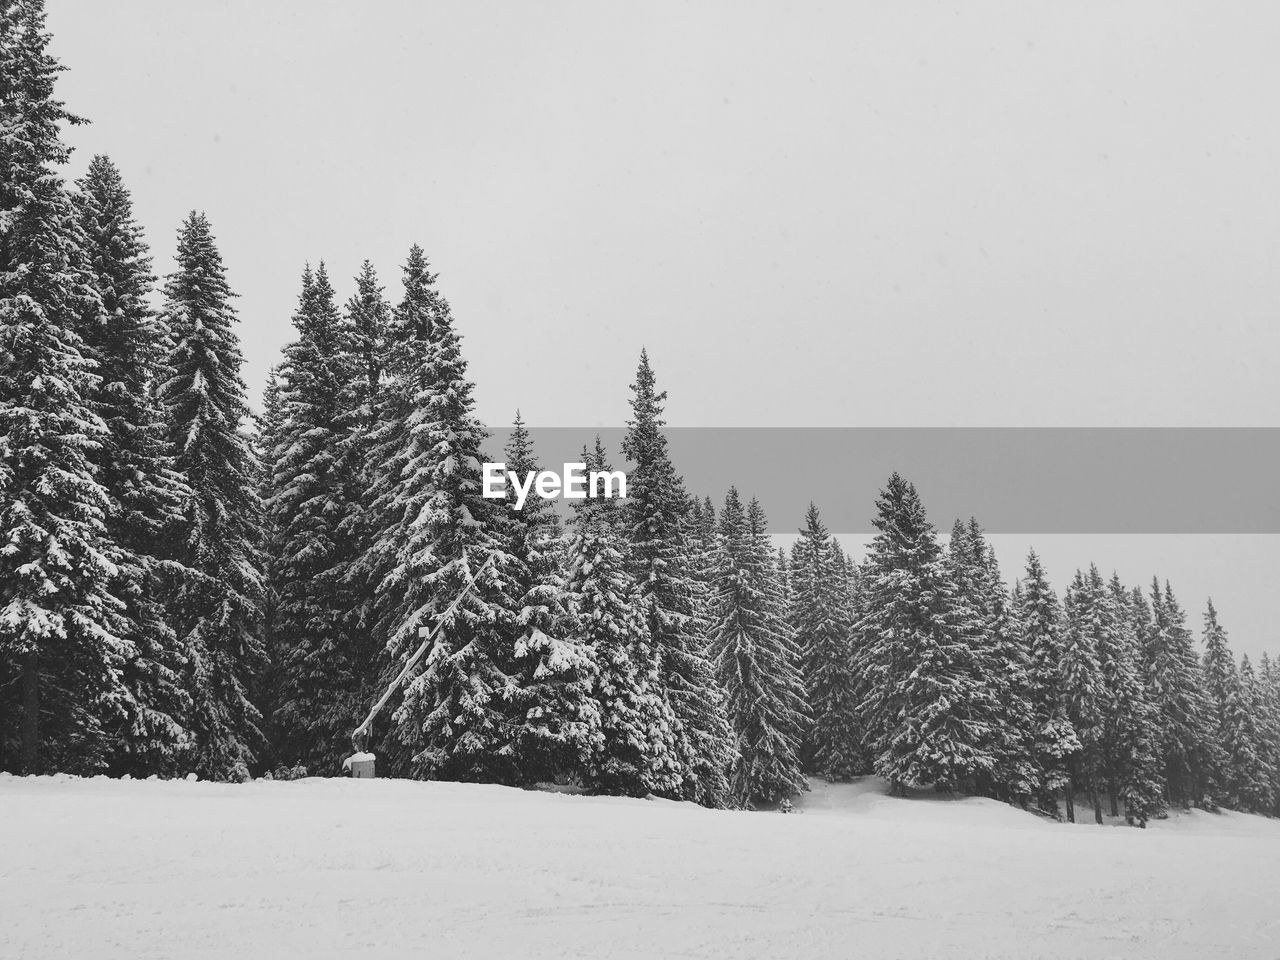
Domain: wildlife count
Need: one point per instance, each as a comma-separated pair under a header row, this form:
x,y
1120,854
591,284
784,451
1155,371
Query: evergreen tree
x,y
385,441
1083,686
437,532
322,664
1243,778
1267,706
922,700
132,462
655,516
820,621
1176,690
783,568
219,608
633,748
553,670
1262,731
265,692
756,660
1055,742
1001,662
1130,719
64,644
368,325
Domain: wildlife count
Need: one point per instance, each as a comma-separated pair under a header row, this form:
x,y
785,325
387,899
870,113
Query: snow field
x,y
101,869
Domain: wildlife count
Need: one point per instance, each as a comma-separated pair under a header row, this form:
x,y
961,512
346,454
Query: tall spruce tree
x,y
384,441
1261,729
1083,687
1130,719
756,660
62,648
556,715
1267,706
820,620
265,692
922,701
655,515
1055,743
133,463
1001,661
219,610
1191,758
437,532
368,325
633,747
1242,776
322,665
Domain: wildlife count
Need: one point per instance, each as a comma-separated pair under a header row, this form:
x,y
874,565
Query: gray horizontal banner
x,y
1014,480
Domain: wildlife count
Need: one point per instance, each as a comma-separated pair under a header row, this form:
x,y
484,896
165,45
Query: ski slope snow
x,y
99,868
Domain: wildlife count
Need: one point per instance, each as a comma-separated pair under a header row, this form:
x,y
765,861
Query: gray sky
x,y
1032,214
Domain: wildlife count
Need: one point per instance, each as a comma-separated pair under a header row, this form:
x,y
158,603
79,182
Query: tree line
x,y
190,588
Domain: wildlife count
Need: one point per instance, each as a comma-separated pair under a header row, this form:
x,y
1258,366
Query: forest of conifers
x,y
189,588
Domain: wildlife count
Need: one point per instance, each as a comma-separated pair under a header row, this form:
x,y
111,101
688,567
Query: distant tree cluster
x,y
185,588
925,669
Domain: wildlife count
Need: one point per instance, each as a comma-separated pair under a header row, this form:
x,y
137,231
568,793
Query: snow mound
x,y
327,868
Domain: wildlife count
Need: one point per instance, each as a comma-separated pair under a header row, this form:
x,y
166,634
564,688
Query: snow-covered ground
x,y
96,869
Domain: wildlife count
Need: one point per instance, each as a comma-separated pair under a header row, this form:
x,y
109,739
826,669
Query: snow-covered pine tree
x,y
922,701
132,462
406,338
455,721
820,622
655,516
702,547
1130,719
1268,709
61,650
1243,778
1083,686
556,715
1191,757
783,569
634,750
218,613
265,691
1261,722
1055,742
756,660
1002,666
368,321
322,665
368,316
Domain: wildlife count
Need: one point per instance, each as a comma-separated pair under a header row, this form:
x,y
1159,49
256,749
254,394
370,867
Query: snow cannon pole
x,y
360,764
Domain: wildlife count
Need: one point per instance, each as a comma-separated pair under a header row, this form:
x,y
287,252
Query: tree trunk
x,y
1096,798
30,712
1069,797
1115,802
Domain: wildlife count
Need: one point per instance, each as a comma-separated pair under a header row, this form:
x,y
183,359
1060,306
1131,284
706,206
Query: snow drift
x,y
321,868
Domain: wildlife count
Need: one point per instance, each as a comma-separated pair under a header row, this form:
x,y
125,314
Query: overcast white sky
x,y
1032,214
